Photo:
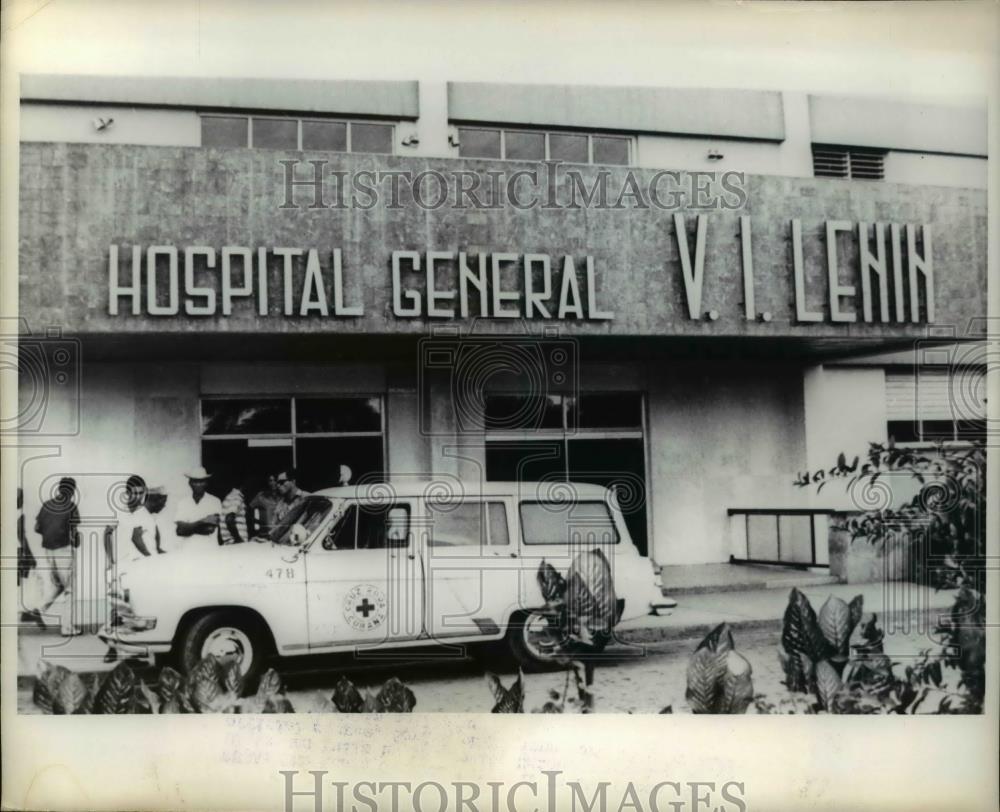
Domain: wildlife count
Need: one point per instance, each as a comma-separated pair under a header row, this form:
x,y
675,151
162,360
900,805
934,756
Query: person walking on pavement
x,y
57,522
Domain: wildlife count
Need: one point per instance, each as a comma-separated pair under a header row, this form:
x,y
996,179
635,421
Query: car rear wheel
x,y
535,645
227,635
532,642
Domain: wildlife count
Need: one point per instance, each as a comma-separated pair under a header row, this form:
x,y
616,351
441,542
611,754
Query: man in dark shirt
x,y
263,507
57,523
291,496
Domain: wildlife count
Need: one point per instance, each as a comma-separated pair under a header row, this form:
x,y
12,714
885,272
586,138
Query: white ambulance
x,y
377,567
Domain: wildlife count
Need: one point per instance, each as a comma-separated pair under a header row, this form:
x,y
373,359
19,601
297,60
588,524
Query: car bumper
x,y
132,642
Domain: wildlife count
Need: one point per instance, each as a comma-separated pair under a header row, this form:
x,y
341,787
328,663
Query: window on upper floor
x,y
936,406
275,132
848,162
541,145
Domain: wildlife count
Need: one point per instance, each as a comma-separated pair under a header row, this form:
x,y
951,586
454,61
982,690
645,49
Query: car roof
x,y
446,488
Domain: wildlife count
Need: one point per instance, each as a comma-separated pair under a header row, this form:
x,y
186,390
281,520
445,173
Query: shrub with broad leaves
x,y
574,698
719,678
837,659
507,700
213,686
392,697
581,610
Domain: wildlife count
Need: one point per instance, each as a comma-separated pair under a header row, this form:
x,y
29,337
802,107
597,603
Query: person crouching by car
x,y
237,522
197,515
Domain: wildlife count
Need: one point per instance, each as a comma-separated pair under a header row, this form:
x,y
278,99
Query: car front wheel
x,y
227,635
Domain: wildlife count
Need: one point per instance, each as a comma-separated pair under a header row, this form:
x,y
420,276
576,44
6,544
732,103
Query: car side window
x,y
383,526
456,525
344,532
303,518
567,522
468,524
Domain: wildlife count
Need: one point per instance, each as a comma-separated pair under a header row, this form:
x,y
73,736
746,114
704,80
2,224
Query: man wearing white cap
x,y
197,515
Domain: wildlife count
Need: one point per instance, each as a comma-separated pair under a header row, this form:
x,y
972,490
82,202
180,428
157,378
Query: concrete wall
x,y
721,436
77,200
845,410
936,170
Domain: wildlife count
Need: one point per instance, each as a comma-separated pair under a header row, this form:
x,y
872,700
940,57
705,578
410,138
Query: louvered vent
x,y
867,165
830,163
840,162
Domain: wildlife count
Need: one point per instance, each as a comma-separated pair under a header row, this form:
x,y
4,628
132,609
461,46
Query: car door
x,y
472,567
364,580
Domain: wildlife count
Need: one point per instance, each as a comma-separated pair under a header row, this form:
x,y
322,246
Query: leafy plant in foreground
x,y
392,697
581,610
508,700
719,678
865,682
214,686
577,700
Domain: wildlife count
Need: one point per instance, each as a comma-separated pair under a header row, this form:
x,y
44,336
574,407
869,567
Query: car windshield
x,y
303,518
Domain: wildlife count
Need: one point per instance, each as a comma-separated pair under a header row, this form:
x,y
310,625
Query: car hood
x,y
211,563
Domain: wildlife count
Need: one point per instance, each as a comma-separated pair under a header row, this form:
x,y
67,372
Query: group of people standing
x,y
143,528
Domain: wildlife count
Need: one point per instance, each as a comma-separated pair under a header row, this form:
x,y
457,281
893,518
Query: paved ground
x,y
640,677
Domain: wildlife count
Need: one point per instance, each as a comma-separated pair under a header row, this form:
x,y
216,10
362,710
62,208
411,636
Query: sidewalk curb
x,y
697,631
694,631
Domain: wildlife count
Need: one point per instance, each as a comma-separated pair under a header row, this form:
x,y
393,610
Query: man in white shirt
x,y
136,535
156,501
197,515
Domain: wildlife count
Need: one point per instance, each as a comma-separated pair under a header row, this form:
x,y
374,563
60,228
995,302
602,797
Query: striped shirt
x,y
234,503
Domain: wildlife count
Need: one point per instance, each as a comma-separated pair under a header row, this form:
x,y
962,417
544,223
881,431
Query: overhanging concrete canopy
x,y
345,96
749,114
888,124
